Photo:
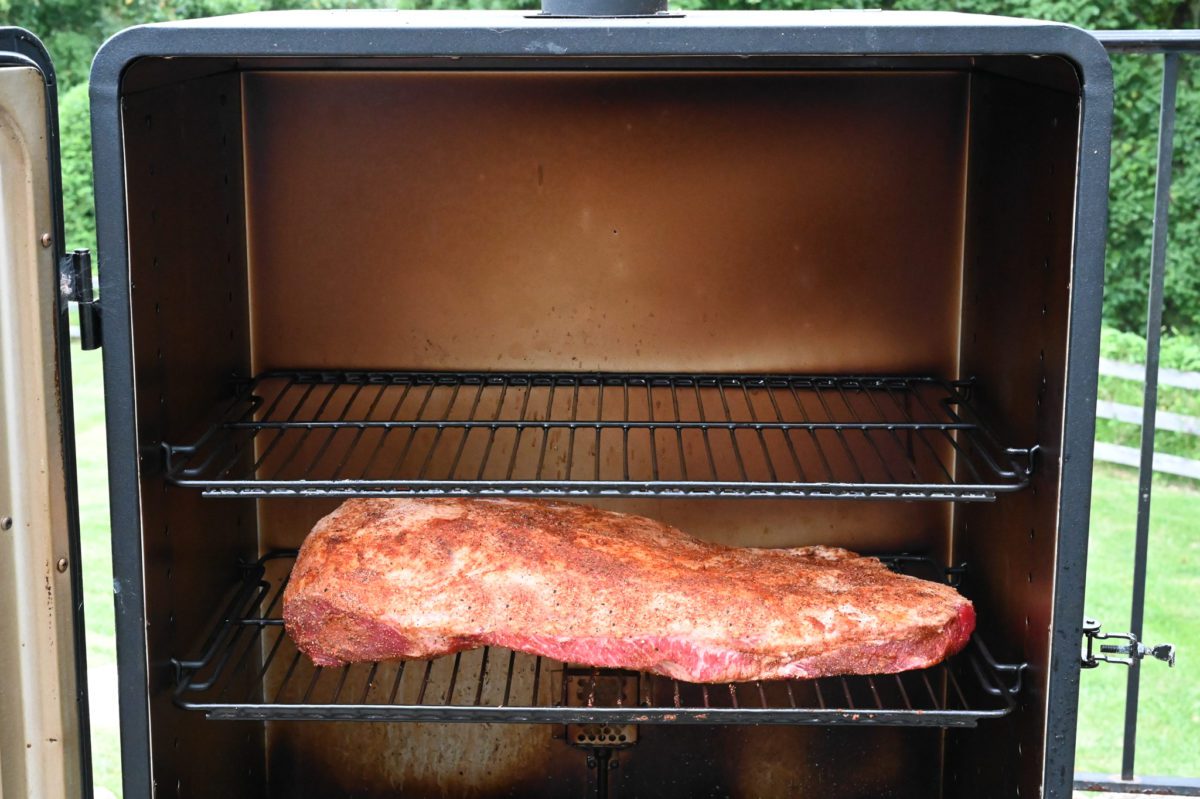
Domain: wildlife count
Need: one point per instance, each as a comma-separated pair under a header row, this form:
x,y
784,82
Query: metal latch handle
x,y
75,285
1132,648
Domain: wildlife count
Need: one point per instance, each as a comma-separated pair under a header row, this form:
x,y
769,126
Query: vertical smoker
x,y
777,278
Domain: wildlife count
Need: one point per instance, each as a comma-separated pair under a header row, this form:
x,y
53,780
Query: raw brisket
x,y
419,578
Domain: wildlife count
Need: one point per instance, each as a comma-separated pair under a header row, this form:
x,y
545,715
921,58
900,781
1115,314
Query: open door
x,y
43,704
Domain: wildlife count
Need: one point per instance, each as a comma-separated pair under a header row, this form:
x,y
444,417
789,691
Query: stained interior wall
x,y
1017,266
187,263
613,221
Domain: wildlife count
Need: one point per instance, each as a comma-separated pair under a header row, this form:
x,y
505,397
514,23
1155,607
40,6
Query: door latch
x,y
1129,650
75,285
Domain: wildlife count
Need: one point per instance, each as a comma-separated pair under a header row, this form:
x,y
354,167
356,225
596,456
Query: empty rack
x,y
333,433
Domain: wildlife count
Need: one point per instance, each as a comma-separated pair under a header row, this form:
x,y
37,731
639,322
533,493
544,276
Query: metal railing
x,y
1168,45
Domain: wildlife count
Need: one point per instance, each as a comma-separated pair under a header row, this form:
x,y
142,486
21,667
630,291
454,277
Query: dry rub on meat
x,y
418,578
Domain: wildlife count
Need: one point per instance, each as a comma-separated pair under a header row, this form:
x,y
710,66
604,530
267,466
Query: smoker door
x,y
43,708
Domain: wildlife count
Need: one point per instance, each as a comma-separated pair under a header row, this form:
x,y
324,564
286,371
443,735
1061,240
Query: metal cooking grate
x,y
540,434
249,669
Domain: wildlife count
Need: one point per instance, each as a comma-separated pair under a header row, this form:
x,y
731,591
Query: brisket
x,y
418,578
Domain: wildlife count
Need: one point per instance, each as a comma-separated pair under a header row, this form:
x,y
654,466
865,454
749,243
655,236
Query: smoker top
x,y
387,19
375,33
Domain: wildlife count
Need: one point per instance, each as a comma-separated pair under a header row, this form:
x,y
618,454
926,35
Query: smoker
x,y
777,278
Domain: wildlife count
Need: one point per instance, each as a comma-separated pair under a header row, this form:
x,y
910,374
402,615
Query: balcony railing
x,y
1170,46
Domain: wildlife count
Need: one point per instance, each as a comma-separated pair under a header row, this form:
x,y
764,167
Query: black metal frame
x,y
555,43
227,681
19,47
1168,44
847,429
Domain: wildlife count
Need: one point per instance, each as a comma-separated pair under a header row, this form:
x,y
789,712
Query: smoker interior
x,y
795,217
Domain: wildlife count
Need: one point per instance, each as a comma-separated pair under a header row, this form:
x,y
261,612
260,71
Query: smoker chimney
x,y
603,8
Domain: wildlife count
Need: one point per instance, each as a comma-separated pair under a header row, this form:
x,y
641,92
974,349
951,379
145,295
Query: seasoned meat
x,y
418,578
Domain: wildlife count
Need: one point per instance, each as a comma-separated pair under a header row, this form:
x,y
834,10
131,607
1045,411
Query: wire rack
x,y
249,669
539,434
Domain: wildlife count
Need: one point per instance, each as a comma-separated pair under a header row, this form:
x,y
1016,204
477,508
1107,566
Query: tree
x,y
75,141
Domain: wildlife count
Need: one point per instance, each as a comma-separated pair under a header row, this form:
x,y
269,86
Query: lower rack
x,y
250,669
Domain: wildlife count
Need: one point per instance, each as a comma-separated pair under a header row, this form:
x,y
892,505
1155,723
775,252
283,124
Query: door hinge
x,y
1131,648
75,285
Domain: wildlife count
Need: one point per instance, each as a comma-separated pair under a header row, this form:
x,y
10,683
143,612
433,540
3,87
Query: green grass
x,y
88,392
1169,738
1169,707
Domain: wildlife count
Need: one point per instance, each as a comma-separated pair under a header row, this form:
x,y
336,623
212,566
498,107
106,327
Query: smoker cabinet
x,y
777,278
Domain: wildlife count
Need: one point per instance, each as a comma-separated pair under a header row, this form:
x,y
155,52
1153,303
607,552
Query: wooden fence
x,y
1174,422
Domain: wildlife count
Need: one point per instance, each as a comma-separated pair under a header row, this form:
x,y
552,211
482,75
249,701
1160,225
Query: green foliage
x,y
76,142
1178,351
71,30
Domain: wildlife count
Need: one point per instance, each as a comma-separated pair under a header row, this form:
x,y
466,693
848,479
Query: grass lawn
x,y
97,567
1169,706
1169,739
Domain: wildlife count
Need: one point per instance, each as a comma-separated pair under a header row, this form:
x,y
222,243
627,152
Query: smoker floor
x,y
328,433
249,669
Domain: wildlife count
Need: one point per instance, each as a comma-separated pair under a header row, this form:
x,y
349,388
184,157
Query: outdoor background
x,y
1169,740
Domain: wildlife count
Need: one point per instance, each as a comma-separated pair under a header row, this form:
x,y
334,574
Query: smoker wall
x,y
785,220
